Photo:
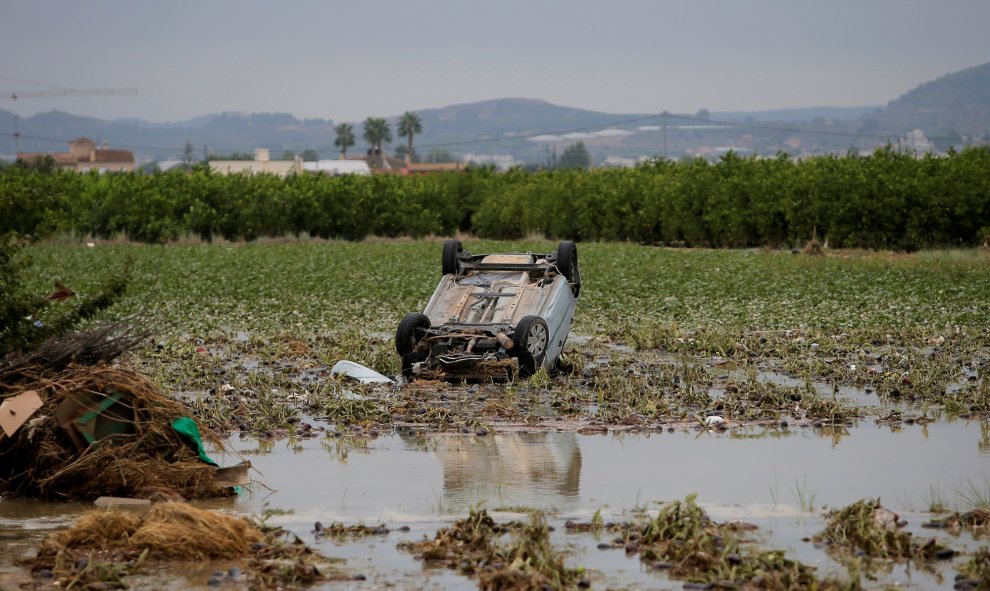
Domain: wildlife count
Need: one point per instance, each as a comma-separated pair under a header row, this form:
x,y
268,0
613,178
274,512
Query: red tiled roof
x,y
113,156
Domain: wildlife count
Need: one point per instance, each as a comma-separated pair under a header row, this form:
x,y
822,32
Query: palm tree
x,y
345,138
376,131
409,125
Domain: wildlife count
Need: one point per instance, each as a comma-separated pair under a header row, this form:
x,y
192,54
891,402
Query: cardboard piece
x,y
236,475
16,410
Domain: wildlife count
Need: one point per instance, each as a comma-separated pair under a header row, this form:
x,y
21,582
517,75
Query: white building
x,y
915,142
261,164
336,167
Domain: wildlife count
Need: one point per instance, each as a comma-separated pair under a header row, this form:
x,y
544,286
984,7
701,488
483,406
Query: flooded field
x,y
757,389
779,480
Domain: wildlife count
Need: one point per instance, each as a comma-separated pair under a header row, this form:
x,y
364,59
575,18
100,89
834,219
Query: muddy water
x,y
779,479
757,470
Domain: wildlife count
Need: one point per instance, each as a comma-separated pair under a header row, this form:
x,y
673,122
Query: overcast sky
x,y
348,60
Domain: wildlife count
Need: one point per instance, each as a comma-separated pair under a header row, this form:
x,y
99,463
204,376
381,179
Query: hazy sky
x,y
351,59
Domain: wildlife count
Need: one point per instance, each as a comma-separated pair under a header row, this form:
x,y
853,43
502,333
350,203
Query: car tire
x,y
567,264
530,341
449,262
410,332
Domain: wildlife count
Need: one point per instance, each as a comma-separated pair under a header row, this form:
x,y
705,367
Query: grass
x,y
247,331
804,495
937,502
326,288
976,495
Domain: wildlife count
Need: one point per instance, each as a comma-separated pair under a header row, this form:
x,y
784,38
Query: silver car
x,y
493,316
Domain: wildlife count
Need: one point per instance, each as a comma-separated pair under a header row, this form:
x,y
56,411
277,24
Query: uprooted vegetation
x,y
867,529
102,548
974,573
474,546
976,521
686,543
265,391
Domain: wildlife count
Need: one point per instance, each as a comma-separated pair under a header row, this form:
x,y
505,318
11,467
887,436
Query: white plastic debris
x,y
714,421
358,372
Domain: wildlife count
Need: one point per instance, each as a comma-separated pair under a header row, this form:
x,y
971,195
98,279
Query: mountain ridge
x,y
954,104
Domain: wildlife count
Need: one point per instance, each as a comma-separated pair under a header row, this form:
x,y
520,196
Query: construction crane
x,y
68,92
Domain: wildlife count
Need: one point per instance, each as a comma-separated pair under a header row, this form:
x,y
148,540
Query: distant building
x,y
380,163
84,156
261,164
338,167
916,143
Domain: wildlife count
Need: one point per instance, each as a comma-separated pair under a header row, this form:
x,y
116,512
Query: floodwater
x,y
779,479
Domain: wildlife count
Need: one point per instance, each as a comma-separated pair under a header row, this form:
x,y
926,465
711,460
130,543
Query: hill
x,y
957,103
953,105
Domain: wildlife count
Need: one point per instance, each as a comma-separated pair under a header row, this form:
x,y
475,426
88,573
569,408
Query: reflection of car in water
x,y
492,315
513,469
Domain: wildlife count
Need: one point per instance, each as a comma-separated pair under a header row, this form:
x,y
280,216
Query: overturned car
x,y
493,316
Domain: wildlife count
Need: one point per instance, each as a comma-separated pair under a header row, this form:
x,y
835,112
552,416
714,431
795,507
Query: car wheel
x,y
567,264
449,261
410,332
530,341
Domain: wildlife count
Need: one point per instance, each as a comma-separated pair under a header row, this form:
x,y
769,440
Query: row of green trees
x,y
886,201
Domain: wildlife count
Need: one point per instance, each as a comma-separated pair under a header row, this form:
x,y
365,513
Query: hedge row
x,y
886,200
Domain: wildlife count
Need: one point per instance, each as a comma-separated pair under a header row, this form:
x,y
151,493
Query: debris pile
x,y
72,431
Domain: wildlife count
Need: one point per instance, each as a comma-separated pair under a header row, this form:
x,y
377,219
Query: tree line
x,y
886,200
